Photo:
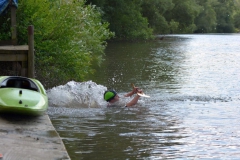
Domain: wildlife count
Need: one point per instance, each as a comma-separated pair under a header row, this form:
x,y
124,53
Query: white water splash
x,y
77,95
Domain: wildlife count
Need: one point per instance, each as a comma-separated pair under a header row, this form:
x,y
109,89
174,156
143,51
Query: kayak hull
x,y
21,95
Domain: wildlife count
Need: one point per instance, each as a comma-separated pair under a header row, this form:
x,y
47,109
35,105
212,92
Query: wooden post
x,y
31,68
13,23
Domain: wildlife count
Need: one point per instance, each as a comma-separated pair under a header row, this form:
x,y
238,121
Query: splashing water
x,y
74,94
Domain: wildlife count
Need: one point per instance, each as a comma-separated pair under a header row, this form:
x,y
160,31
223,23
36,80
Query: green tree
x,y
206,21
125,18
183,13
5,21
236,16
154,11
69,37
224,11
237,21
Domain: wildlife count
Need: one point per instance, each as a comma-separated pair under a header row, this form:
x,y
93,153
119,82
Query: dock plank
x,y
14,48
13,56
30,138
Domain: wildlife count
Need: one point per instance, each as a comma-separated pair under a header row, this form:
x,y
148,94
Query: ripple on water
x,y
193,112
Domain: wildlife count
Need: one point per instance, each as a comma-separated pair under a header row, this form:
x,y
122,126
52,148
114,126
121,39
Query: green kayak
x,y
21,95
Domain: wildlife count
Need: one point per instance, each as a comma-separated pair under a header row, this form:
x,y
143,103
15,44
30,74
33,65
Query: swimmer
x,y
112,97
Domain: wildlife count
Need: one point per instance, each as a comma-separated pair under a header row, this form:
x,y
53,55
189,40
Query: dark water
x,y
193,112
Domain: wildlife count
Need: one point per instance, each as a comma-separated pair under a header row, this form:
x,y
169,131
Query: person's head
x,y
111,96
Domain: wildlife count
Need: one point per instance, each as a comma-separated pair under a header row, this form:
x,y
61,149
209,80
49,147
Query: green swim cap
x,y
109,95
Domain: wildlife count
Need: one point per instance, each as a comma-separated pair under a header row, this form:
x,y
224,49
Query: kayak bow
x,y
21,95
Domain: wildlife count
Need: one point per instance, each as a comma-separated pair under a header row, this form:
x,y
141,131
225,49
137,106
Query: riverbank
x,y
30,138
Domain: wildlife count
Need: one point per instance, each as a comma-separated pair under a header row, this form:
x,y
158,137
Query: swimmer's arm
x,y
133,101
129,94
135,90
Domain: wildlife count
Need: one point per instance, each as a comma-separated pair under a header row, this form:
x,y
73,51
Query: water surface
x,y
193,112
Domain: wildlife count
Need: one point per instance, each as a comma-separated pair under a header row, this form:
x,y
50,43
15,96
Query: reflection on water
x,y
193,112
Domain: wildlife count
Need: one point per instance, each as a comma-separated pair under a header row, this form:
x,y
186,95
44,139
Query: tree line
x,y
71,35
139,19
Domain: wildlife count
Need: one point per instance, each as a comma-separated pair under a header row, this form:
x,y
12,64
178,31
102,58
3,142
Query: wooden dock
x,y
25,138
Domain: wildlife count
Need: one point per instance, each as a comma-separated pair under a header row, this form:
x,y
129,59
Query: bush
x,y
69,37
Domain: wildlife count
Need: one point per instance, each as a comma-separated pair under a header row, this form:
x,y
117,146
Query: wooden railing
x,y
21,57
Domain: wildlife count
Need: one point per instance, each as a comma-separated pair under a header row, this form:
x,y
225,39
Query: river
x,y
193,111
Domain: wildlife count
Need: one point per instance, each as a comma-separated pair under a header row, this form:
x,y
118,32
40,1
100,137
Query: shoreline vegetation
x,y
71,36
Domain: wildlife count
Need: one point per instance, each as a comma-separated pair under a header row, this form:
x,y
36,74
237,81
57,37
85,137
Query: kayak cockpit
x,y
19,82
